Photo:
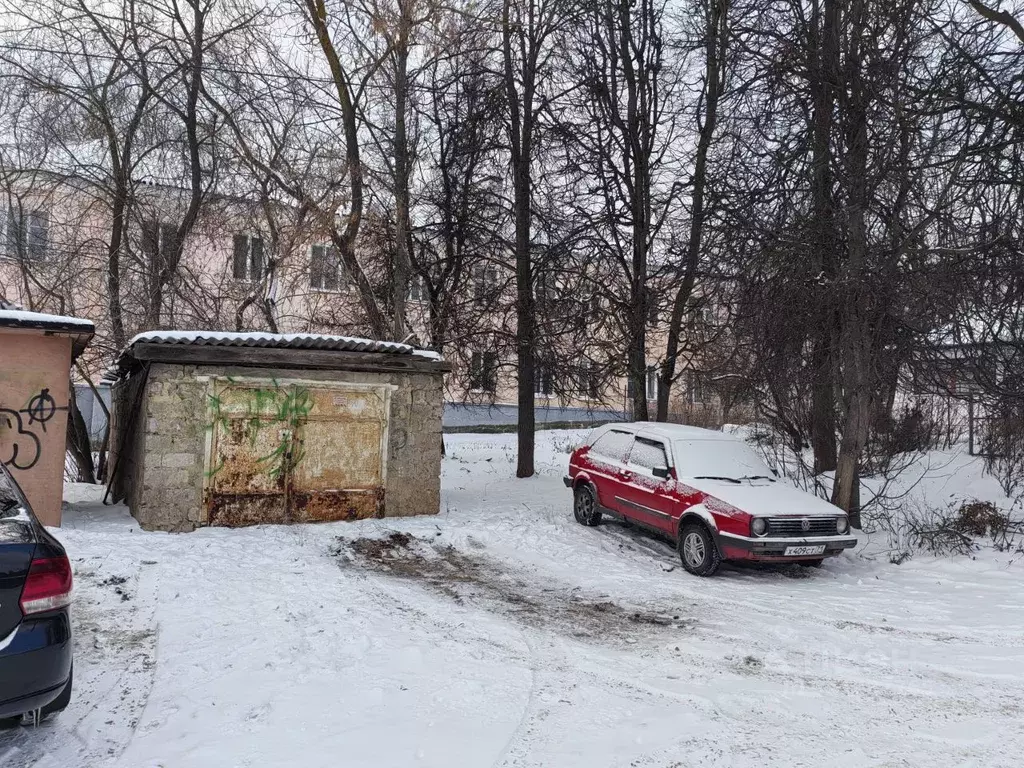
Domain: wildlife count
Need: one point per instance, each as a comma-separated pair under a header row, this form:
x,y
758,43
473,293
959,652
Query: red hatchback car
x,y
708,491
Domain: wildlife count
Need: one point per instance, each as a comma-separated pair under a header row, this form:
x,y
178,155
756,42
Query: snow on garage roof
x,y
279,341
289,341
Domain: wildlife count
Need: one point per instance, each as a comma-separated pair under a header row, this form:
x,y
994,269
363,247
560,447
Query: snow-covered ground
x,y
501,633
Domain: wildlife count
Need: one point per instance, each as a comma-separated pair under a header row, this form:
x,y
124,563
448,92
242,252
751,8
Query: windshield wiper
x,y
758,477
715,477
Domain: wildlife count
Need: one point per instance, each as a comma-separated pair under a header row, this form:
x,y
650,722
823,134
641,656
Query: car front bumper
x,y
735,547
568,481
36,663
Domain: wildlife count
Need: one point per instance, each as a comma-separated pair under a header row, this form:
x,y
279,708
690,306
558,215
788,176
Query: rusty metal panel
x,y
247,476
340,455
329,506
295,453
338,472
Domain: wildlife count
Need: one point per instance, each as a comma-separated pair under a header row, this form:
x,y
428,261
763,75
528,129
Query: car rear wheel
x,y
584,505
697,550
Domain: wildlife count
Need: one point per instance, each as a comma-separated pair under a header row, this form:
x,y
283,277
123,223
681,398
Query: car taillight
x,y
47,587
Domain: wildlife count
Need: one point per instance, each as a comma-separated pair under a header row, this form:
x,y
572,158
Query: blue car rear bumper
x,y
35,666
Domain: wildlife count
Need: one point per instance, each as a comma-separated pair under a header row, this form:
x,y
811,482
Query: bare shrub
x,y
1004,450
957,530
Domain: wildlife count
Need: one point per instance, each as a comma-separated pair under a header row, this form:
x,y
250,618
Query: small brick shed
x,y
36,354
240,429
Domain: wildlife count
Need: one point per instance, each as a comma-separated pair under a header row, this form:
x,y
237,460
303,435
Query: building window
x,y
247,258
652,310
543,287
588,381
417,288
485,280
483,371
28,234
159,243
697,388
652,383
325,270
544,380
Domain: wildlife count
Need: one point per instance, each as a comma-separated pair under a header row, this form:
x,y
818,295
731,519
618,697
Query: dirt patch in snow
x,y
476,579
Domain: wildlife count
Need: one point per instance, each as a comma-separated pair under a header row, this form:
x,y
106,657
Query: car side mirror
x,y
662,472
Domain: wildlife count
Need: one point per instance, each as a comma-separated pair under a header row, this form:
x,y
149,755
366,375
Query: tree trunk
x,y
521,120
78,440
824,69
716,43
114,306
856,331
345,240
403,260
846,489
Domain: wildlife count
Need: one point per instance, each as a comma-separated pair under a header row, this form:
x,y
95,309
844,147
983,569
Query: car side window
x,y
648,454
613,445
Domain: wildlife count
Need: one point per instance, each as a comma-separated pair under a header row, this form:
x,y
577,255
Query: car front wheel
x,y
584,505
697,550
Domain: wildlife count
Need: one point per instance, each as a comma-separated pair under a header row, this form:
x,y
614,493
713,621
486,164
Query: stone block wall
x,y
169,462
169,491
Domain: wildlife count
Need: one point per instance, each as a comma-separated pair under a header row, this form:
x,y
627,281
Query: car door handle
x,y
625,475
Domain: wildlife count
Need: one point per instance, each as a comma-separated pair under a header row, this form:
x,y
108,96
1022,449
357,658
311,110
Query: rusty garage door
x,y
282,453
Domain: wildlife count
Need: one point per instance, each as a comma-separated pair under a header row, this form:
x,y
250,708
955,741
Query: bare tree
x,y
530,33
714,14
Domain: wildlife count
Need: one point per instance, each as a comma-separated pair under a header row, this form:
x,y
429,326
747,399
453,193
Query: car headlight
x,y
759,525
842,524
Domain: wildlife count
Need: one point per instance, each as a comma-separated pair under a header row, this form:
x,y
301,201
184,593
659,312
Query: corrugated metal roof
x,y
275,341
263,340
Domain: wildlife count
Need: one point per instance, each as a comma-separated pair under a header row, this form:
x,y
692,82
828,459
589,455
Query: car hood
x,y
760,497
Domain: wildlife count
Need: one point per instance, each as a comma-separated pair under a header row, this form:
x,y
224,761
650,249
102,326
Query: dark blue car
x,y
35,622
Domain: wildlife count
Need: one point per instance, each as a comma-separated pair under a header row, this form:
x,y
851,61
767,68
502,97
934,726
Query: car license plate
x,y
796,551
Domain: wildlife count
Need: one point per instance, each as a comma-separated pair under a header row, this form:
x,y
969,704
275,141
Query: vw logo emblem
x,y
805,525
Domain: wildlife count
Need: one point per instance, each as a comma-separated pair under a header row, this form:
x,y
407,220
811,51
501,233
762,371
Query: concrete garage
x,y
240,429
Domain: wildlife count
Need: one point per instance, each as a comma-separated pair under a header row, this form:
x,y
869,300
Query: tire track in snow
x,y
531,698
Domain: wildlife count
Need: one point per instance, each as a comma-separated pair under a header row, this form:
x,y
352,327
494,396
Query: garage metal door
x,y
296,453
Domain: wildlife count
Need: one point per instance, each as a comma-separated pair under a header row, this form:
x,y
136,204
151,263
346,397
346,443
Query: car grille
x,y
793,527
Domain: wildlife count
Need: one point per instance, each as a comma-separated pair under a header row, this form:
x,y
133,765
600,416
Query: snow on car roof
x,y
673,431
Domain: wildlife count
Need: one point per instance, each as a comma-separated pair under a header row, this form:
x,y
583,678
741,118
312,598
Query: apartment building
x,y
262,264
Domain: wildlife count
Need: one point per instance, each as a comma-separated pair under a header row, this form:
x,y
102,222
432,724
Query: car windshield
x,y
719,459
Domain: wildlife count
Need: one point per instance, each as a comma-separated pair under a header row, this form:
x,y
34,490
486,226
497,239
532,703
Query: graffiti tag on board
x,y
20,446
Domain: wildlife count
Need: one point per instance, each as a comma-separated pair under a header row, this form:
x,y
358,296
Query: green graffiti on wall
x,y
274,407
